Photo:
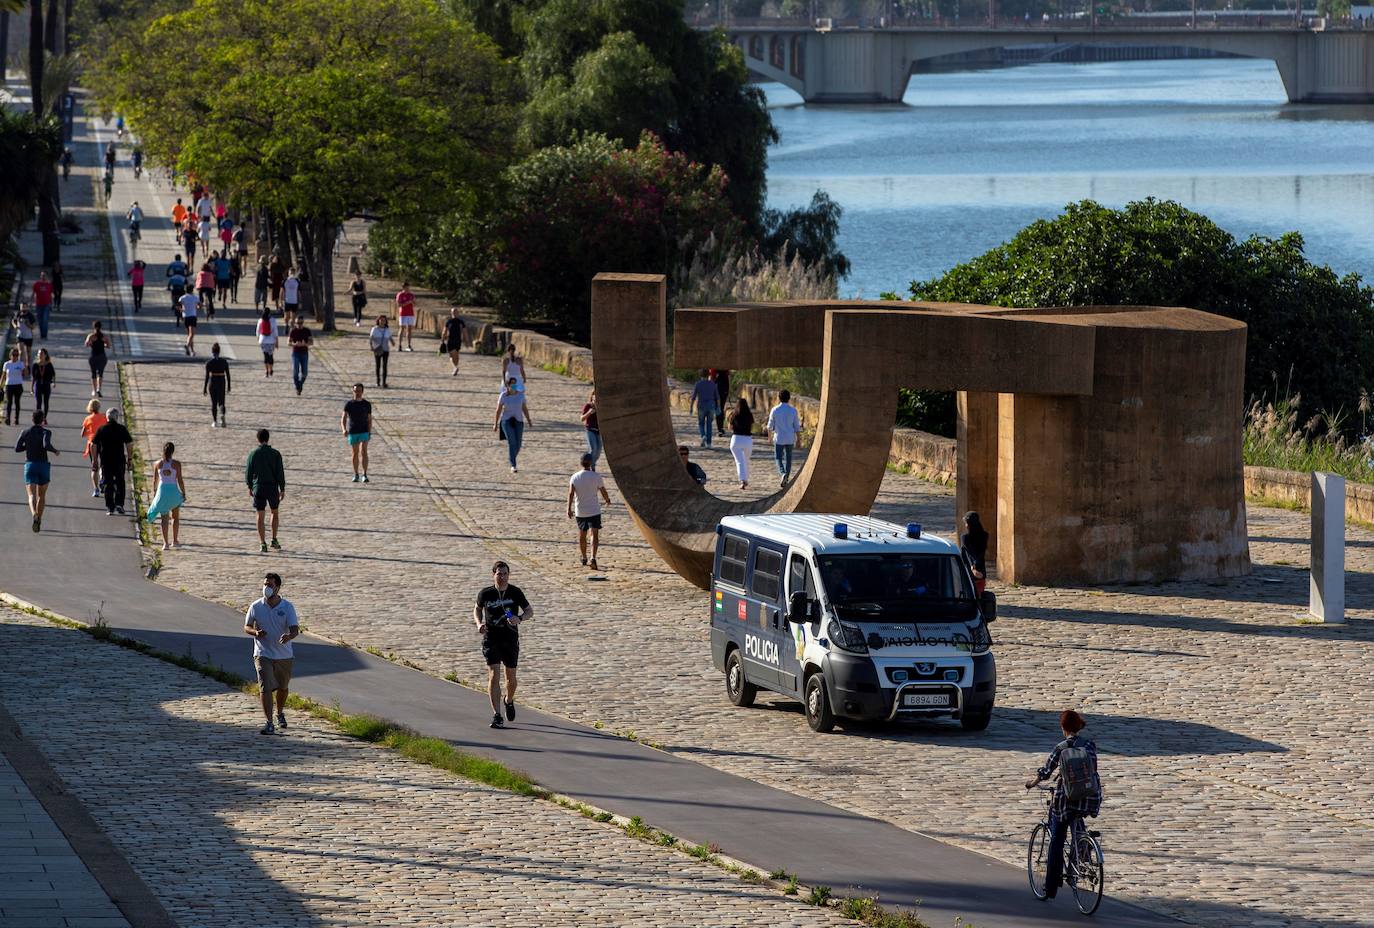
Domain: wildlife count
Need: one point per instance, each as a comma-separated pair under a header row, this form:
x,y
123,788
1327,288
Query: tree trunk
x,y
47,197
324,289
4,42
36,55
67,11
50,29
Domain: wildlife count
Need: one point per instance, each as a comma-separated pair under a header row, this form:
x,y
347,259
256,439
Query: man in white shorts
x,y
405,316
585,507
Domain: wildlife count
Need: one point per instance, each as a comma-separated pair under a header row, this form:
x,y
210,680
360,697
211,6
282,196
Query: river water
x,y
976,155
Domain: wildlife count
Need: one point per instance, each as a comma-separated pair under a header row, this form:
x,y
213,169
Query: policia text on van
x,y
856,617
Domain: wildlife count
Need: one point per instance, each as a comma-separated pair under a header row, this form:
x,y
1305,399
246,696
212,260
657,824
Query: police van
x,y
855,617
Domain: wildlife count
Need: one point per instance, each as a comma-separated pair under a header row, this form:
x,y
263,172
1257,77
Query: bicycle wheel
x,y
1087,888
1037,859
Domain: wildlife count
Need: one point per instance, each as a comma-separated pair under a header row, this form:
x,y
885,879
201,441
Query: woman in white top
x,y
380,341
267,338
512,415
14,386
512,365
169,496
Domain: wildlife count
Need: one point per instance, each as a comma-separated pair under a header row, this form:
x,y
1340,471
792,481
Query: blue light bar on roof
x,y
841,530
913,530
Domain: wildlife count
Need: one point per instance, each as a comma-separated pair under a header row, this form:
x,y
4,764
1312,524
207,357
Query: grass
x,y
1273,438
139,488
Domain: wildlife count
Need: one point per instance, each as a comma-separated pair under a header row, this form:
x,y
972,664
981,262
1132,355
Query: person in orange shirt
x,y
179,213
89,426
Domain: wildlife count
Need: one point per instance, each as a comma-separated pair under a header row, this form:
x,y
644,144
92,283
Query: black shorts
x,y
266,498
290,307
501,648
267,357
589,522
189,321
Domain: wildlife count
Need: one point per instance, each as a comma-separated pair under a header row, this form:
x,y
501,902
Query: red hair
x,y
1071,721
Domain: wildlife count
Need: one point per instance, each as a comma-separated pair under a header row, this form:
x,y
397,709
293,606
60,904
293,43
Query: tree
x,y
318,110
572,212
29,147
809,233
1310,332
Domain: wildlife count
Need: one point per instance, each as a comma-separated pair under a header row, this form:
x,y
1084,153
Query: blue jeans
x,y
1060,828
43,313
704,418
300,368
782,454
594,445
514,430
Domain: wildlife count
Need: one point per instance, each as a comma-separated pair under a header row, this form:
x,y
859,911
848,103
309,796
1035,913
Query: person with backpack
x,y
1077,793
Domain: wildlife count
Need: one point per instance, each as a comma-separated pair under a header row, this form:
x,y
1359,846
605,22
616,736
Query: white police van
x,y
856,617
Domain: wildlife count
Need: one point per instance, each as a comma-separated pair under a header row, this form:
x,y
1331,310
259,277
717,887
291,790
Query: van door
x,y
767,636
799,580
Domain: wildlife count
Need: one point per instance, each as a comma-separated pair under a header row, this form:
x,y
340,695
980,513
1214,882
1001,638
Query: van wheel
x,y
975,722
818,714
740,690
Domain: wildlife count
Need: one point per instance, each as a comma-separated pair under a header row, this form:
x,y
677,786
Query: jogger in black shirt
x,y
499,611
216,386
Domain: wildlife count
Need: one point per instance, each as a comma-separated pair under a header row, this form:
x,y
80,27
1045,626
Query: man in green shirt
x,y
266,478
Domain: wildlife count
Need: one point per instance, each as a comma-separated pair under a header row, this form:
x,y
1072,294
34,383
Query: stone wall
x,y
1295,488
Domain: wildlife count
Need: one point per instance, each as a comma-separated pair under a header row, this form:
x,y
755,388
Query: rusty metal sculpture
x,y
1105,439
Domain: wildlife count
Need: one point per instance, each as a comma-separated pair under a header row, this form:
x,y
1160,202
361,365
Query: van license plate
x,y
925,699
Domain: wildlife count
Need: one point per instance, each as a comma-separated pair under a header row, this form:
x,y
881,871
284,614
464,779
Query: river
x,y
976,155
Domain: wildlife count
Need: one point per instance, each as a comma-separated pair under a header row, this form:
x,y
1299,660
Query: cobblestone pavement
x,y
231,828
1234,737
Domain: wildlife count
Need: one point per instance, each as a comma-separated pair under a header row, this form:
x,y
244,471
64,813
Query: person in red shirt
x,y
42,302
405,315
135,275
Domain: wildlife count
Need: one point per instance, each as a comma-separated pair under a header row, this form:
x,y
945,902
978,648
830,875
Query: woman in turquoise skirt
x,y
170,494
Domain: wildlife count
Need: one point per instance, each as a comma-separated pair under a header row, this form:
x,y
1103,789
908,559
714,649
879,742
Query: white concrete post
x,y
1328,548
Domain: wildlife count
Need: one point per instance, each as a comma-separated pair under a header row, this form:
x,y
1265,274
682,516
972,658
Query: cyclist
x,y
1077,793
109,158
135,217
138,162
66,162
119,126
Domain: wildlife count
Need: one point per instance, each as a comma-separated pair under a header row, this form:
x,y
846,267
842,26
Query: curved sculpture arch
x,y
1042,364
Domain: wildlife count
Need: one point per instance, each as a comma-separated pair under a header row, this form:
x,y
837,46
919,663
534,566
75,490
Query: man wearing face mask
x,y
271,622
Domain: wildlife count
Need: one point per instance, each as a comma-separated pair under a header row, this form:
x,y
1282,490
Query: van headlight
x,y
847,636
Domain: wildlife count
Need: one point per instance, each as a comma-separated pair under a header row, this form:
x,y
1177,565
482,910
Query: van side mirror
x,y
798,609
988,604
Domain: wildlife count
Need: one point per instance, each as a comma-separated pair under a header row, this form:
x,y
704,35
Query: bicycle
x,y
1084,872
134,234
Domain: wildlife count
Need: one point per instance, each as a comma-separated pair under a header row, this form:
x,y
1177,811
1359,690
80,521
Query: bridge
x,y
873,65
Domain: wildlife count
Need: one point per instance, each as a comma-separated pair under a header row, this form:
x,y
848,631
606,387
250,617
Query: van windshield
x,y
882,586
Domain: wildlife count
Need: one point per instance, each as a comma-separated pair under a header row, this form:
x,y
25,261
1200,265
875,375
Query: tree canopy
x,y
1310,331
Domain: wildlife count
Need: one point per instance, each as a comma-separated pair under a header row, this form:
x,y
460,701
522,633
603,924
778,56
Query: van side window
x,y
733,557
767,582
799,577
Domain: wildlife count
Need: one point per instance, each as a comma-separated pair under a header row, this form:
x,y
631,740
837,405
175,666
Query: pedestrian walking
x,y
205,206
405,318
14,387
42,375
223,277
741,422
500,610
35,443
189,238
235,275
693,468
203,235
111,448
276,277
512,365
703,401
89,426
260,285
42,303
168,497
265,475
176,286
179,213
190,311
722,379
271,622
300,340
380,341
267,339
291,296
136,277
205,289
356,424
592,427
358,290
59,283
974,546
585,507
23,324
455,336
217,386
783,425
512,415
226,233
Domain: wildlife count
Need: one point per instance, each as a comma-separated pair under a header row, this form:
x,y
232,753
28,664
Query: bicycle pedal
x,y
1095,834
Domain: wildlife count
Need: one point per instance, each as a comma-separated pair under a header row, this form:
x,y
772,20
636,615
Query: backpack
x,y
1078,771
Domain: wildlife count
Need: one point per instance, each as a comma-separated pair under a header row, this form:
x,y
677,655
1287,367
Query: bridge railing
x,y
1205,20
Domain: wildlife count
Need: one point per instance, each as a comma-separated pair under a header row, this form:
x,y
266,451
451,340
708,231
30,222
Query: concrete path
x,y
85,564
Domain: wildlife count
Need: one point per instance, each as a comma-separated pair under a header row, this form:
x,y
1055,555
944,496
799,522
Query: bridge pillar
x,y
855,67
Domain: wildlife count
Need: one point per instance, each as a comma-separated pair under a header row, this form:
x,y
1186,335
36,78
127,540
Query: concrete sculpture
x,y
1106,440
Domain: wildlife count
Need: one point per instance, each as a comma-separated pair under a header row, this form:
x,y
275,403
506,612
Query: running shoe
x,y
593,565
37,523
281,720
275,545
510,711
119,510
364,478
357,479
268,729
496,721
214,423
264,547
95,494
109,512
